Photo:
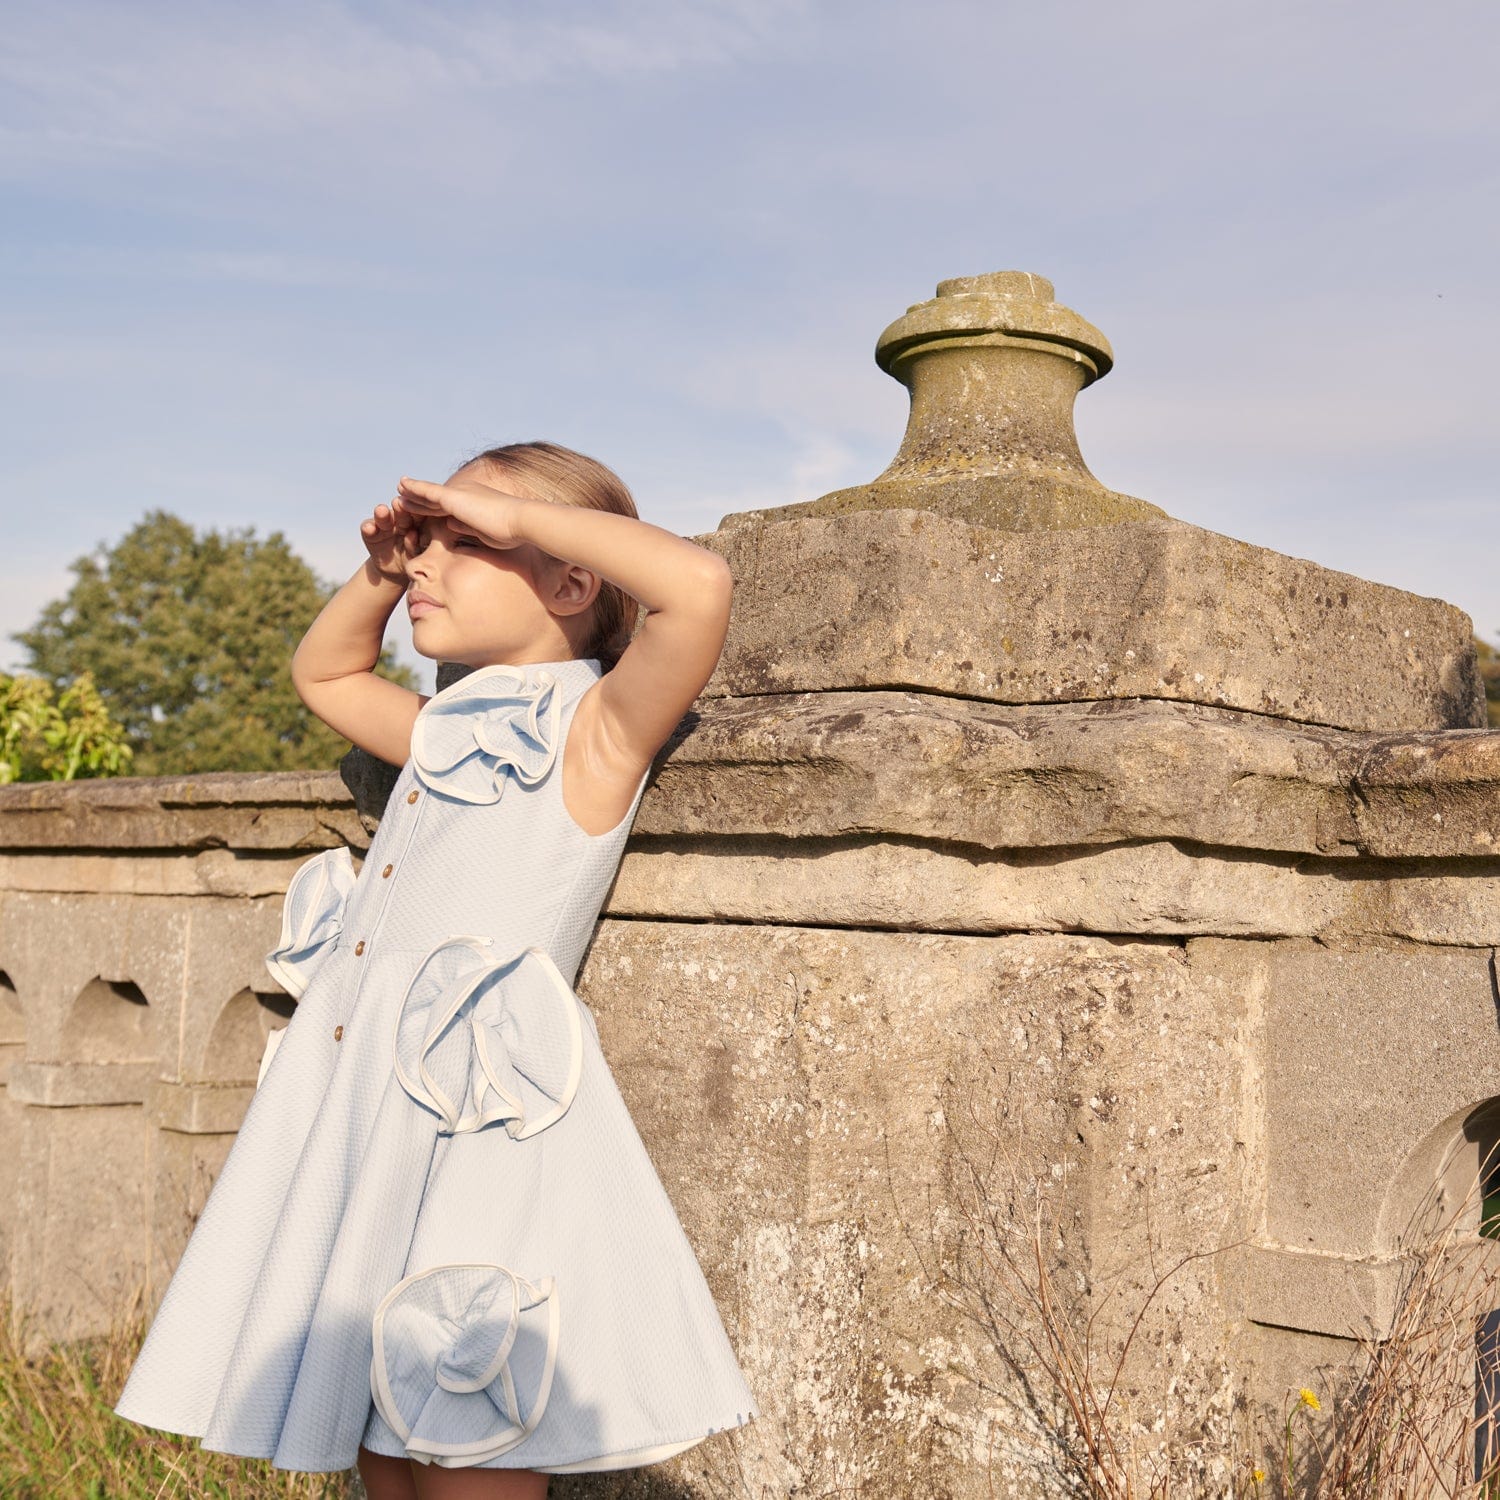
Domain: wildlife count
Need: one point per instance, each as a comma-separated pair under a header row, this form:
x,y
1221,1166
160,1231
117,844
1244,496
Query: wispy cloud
x,y
265,257
100,264
86,82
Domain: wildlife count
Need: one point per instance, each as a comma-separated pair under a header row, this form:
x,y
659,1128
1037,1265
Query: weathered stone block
x,y
1143,609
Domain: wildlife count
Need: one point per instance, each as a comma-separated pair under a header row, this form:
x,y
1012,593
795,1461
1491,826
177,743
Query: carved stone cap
x,y
1016,303
993,365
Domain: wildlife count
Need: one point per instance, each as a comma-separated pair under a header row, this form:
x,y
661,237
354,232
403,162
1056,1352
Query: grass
x,y
61,1440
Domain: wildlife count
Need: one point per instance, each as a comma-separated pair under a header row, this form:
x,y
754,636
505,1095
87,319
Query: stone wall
x,y
1028,851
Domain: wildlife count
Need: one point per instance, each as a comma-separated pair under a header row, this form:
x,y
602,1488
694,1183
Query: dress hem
x,y
598,1463
623,1458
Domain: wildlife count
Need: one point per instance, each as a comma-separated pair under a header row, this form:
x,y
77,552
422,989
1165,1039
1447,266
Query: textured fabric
x,y
311,917
438,1232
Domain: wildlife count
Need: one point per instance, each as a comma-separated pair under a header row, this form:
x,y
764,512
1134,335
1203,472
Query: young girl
x,y
438,1248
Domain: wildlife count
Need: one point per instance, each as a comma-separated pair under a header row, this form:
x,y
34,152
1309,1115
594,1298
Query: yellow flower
x,y
1258,1476
1308,1398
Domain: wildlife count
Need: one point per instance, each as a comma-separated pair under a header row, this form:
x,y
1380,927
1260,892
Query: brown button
x,y
411,796
385,872
359,947
338,1033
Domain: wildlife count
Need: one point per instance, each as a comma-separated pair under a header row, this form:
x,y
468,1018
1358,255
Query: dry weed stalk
x,y
1013,1271
1399,1421
1407,1424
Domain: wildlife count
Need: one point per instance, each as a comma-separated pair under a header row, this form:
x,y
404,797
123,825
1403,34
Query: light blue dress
x,y
438,1232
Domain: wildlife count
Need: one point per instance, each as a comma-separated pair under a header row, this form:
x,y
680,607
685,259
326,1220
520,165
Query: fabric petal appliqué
x,y
455,1348
497,720
481,1038
312,916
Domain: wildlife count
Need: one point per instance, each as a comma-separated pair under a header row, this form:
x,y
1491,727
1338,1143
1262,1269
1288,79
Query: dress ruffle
x,y
497,717
481,1037
460,1349
312,917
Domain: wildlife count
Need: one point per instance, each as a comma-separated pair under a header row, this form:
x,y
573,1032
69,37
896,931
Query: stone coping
x,y
882,599
905,764
273,811
1345,1297
927,766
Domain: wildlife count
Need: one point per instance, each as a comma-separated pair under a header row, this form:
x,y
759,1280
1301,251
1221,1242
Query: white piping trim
x,y
454,1119
628,1458
319,869
448,1455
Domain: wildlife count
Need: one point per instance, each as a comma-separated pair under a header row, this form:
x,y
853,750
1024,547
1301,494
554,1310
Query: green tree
x,y
190,639
1489,672
66,740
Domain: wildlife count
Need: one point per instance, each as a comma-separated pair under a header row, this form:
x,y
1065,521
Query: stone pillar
x,y
1030,846
988,562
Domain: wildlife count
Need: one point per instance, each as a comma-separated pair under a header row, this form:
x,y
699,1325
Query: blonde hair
x,y
548,471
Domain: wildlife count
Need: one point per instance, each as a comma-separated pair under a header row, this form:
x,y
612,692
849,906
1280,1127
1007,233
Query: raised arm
x,y
684,588
332,667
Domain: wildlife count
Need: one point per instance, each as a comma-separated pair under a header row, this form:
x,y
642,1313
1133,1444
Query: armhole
x,y
569,713
423,699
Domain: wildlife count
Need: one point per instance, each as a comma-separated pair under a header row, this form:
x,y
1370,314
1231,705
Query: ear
x,y
572,588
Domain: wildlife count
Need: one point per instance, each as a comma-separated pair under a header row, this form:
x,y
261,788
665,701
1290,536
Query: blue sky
x,y
261,259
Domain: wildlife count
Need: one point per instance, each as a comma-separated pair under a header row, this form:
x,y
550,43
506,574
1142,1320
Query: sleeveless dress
x,y
437,1232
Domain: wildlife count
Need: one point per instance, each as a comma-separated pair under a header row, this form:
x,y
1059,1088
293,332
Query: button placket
x,y
359,947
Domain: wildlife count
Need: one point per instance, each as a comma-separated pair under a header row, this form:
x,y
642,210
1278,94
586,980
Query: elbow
x,y
715,583
303,683
298,675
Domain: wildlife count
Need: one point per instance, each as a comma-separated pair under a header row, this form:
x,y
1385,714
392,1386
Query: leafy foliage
x,y
189,639
66,739
1489,672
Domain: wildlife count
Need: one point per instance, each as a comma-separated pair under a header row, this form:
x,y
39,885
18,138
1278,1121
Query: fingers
x,y
387,523
421,496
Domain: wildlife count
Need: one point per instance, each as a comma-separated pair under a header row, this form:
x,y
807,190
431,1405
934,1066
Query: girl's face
x,y
485,602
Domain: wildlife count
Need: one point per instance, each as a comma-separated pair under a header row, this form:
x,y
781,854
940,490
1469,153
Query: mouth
x,y
419,604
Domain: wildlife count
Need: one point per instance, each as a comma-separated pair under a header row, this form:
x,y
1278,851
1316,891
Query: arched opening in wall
x,y
1483,1129
111,1022
238,1036
1439,1227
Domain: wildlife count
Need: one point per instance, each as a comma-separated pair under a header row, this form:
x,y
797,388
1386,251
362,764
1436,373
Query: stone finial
x,y
993,365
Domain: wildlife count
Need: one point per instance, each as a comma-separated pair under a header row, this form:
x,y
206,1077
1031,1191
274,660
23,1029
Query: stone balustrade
x,y
1016,811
